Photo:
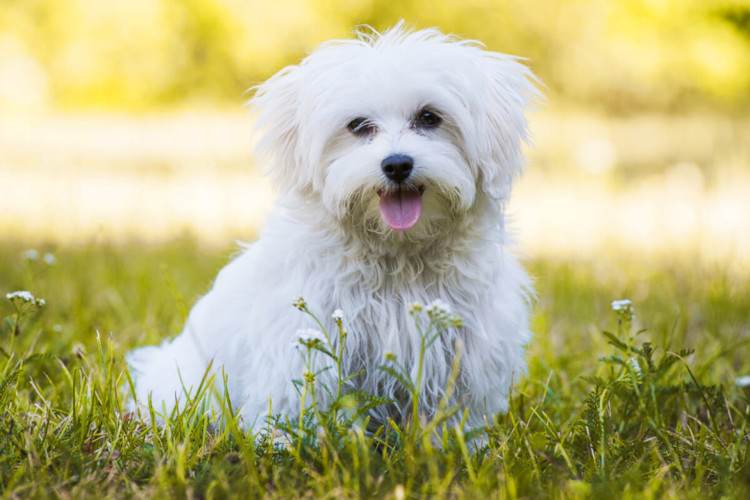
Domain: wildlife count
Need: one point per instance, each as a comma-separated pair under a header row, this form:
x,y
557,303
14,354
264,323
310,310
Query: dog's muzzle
x,y
400,207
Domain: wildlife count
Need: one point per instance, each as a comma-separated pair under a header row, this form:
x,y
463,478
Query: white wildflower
x,y
440,312
49,258
30,254
743,381
308,337
415,307
21,294
438,306
310,334
636,366
621,305
300,303
23,297
338,315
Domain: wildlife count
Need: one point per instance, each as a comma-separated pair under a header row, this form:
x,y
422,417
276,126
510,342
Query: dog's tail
x,y
169,376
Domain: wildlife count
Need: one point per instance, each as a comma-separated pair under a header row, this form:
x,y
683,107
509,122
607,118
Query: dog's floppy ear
x,y
510,90
276,108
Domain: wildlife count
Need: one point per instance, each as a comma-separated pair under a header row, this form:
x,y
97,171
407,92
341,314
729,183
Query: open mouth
x,y
401,208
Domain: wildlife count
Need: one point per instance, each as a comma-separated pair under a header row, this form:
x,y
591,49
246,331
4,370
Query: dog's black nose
x,y
397,167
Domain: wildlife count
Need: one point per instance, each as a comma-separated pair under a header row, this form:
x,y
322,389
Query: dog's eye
x,y
360,126
428,119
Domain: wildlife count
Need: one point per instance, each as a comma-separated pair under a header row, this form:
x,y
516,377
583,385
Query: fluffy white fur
x,y
326,241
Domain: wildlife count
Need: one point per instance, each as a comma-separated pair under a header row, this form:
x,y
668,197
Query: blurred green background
x,y
622,56
123,119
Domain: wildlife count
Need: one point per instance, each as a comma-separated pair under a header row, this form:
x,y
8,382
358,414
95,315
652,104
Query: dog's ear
x,y
277,126
510,90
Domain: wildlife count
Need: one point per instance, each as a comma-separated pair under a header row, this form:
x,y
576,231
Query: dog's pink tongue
x,y
401,209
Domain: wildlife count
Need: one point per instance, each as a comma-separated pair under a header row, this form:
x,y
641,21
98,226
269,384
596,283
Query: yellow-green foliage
x,y
136,54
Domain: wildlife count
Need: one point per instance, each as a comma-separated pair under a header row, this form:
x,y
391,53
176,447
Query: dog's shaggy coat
x,y
329,127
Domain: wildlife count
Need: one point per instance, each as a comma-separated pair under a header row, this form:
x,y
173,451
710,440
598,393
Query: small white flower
x,y
338,315
30,254
20,295
636,366
415,306
743,381
438,306
300,303
24,297
308,334
49,258
621,305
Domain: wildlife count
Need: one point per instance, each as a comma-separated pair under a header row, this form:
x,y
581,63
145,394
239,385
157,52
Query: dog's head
x,y
397,132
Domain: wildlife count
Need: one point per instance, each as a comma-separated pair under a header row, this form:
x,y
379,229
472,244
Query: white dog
x,y
394,155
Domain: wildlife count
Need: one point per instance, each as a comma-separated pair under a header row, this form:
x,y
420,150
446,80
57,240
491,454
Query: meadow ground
x,y
651,209
625,414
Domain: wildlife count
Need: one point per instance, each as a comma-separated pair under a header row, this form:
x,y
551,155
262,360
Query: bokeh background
x,y
123,120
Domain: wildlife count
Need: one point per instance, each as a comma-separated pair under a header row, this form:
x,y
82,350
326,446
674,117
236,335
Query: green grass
x,y
624,414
